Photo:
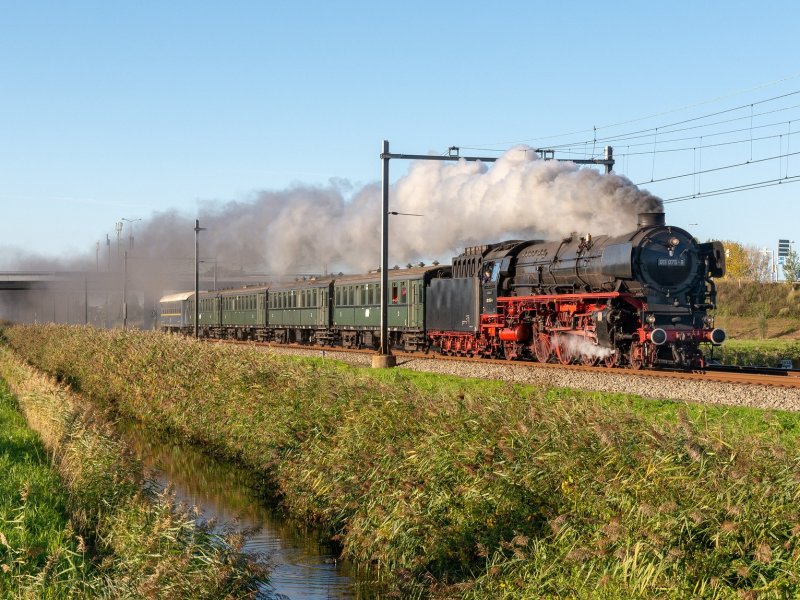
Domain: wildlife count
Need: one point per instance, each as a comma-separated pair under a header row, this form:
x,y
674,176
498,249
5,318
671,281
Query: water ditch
x,y
302,565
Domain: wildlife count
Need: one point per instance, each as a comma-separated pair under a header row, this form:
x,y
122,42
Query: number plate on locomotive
x,y
671,262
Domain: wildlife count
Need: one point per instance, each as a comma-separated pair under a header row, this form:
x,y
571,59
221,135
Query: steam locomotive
x,y
641,299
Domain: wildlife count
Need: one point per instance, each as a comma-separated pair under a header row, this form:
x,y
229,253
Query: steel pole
x,y
197,231
125,295
385,253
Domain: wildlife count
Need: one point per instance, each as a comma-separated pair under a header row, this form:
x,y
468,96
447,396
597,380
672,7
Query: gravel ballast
x,y
662,387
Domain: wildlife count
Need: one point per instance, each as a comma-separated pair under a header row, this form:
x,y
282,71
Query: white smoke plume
x,y
520,197
311,229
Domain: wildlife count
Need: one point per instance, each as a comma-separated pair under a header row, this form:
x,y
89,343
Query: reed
x,y
469,488
139,543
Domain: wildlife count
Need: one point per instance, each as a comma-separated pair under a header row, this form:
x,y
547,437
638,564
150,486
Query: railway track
x,y
759,376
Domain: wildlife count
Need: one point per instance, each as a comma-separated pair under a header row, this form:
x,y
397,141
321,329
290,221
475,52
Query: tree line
x,y
749,263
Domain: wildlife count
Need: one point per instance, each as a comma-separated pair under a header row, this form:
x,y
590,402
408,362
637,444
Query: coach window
x,y
404,294
394,293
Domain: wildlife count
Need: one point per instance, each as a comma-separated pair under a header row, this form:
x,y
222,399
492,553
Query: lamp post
x,y
125,295
384,357
118,227
214,260
197,230
130,230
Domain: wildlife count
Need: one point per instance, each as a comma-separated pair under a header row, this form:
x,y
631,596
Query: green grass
x,y
40,555
141,545
762,353
470,488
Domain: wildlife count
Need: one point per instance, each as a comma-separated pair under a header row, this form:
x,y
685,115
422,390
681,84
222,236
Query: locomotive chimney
x,y
650,219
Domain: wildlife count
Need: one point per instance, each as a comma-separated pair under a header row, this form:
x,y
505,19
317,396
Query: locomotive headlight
x,y
651,319
673,241
708,321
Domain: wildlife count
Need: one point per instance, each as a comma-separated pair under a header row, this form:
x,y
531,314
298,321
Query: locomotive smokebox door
x,y
490,275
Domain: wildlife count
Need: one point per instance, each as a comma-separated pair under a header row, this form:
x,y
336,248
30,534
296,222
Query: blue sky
x,y
111,109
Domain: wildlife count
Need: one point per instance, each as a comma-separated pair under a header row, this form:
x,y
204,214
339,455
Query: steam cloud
x,y
581,347
330,229
311,229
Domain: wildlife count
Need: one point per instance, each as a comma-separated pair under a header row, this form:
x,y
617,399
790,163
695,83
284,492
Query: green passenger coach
x,y
357,307
330,311
300,311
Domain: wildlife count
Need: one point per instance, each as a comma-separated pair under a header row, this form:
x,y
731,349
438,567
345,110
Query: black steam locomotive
x,y
641,299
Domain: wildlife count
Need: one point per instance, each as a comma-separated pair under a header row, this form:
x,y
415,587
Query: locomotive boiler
x,y
639,299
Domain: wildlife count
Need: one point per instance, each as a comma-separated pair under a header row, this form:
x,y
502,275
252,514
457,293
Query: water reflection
x,y
302,565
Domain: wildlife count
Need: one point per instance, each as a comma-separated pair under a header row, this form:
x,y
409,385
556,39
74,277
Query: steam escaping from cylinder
x,y
582,347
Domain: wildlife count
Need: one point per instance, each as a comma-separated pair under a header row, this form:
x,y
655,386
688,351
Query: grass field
x,y
89,526
40,555
469,488
768,352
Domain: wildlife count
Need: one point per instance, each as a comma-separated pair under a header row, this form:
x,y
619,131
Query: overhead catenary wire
x,y
737,188
662,138
732,166
705,146
593,130
647,133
